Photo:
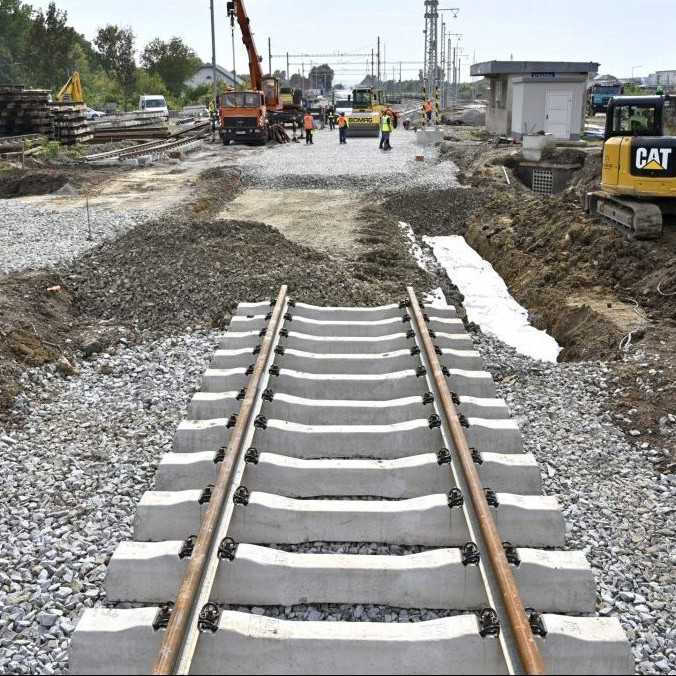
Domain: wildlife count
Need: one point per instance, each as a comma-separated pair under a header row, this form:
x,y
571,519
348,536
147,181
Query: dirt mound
x,y
23,184
172,274
37,315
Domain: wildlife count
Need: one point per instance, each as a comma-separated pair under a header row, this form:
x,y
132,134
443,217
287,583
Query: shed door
x,y
558,111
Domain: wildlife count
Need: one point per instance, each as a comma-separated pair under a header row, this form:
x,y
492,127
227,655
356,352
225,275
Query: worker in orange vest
x,y
309,125
343,126
428,107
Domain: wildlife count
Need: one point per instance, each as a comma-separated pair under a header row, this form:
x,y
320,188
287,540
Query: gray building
x,y
528,97
205,76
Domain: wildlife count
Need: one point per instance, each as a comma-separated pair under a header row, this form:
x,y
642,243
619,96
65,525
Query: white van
x,y
153,103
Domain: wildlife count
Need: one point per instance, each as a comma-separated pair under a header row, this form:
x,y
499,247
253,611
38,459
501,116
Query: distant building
x,y
205,76
529,97
662,78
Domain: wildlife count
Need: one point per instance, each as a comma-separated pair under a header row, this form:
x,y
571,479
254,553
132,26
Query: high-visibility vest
x,y
386,123
309,122
342,122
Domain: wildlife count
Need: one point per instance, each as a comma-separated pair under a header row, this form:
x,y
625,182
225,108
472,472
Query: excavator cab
x,y
639,165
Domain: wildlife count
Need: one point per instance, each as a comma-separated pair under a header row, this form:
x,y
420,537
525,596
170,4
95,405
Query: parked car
x,y
154,103
92,114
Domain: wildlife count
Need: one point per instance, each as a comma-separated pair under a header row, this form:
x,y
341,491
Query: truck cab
x,y
243,117
154,103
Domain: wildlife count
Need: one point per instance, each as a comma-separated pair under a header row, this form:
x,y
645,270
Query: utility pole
x,y
443,64
373,65
378,59
213,51
269,56
288,67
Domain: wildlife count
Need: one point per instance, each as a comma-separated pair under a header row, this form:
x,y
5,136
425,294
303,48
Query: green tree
x,y
115,47
49,48
173,61
321,77
15,22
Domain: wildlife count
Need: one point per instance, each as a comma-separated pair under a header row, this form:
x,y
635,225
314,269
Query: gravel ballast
x,y
35,236
359,165
72,476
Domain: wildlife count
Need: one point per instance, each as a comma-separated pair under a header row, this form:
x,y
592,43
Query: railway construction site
x,y
332,409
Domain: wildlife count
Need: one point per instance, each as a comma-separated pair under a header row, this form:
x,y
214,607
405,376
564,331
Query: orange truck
x,y
245,116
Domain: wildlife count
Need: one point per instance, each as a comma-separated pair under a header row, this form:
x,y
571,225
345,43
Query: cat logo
x,y
653,159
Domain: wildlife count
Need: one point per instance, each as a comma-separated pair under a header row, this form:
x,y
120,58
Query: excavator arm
x,y
72,89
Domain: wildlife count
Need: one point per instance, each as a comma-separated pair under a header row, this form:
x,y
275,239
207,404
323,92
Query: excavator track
x,y
639,220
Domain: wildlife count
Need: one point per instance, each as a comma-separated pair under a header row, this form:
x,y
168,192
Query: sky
x,y
627,38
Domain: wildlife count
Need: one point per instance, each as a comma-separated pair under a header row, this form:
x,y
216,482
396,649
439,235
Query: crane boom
x,y
255,71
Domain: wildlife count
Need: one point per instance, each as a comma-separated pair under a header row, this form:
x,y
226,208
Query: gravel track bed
x,y
358,165
90,446
618,508
73,476
36,236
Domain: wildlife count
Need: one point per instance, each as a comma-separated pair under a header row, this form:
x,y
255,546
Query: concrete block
x,y
347,313
248,643
150,572
211,405
240,357
348,441
248,323
519,474
494,436
168,515
379,387
585,645
449,646
186,471
447,311
457,340
347,412
472,383
196,436
446,325
355,363
453,358
233,340
408,477
375,328
123,640
525,521
219,380
397,340
476,407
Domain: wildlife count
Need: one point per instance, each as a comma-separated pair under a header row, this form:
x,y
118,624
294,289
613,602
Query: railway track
x,y
318,432
184,140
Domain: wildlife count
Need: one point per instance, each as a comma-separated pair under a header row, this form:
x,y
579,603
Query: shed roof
x,y
489,68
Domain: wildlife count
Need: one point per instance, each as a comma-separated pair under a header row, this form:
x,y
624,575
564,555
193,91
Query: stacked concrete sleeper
x,y
349,452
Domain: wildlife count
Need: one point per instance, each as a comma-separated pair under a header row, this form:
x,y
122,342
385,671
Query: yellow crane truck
x,y
638,186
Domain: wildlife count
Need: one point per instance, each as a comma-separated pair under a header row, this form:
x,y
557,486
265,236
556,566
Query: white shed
x,y
528,97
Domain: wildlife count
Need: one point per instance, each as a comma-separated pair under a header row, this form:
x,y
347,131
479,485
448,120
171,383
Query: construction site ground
x,y
580,279
103,340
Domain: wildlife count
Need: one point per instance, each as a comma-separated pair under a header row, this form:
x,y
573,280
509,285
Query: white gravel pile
x,y
34,236
89,448
359,164
72,477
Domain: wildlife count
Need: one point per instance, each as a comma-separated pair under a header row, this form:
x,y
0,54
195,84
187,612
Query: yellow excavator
x,y
638,186
72,91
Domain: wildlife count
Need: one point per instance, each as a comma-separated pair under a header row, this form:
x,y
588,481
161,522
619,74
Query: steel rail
x,y
515,626
180,640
